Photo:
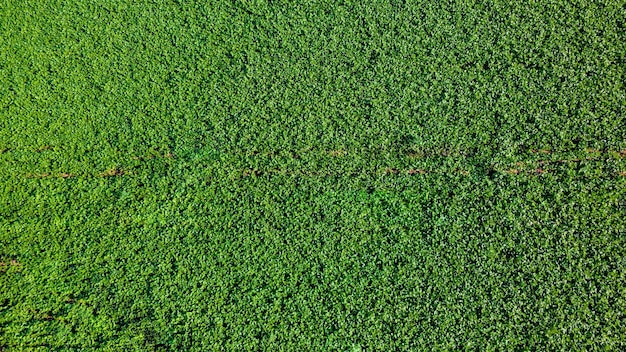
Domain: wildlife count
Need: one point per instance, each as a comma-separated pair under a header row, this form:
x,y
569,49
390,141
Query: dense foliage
x,y
312,175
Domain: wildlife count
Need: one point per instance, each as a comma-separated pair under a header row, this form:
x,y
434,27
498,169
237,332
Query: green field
x,y
312,175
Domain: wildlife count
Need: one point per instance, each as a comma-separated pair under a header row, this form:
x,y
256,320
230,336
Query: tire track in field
x,y
529,167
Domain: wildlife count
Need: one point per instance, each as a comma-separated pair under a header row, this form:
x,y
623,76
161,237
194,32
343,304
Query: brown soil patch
x,y
416,171
5,265
542,151
11,262
43,148
113,173
391,171
338,152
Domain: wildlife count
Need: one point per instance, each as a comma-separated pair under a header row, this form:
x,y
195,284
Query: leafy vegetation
x,y
312,175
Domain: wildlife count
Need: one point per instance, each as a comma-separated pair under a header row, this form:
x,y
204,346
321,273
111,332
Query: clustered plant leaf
x,y
312,175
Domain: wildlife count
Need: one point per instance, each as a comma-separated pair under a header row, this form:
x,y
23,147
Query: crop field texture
x,y
307,175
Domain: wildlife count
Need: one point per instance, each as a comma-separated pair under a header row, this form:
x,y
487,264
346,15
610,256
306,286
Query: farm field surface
x,y
312,175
